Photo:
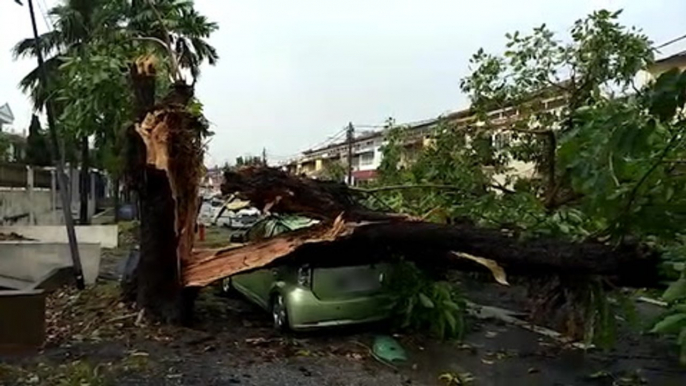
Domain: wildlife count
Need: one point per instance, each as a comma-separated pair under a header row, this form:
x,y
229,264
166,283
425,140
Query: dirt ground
x,y
95,340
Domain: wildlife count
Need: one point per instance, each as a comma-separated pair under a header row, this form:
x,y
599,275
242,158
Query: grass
x,y
215,237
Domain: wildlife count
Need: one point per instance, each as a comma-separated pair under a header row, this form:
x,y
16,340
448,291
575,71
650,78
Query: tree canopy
x,y
603,155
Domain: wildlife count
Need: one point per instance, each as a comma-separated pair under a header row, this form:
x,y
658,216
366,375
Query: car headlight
x,y
305,276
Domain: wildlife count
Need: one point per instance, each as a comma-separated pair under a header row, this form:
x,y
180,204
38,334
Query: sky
x,y
293,73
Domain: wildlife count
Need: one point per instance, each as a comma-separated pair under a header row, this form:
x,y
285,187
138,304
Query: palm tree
x,y
81,23
177,24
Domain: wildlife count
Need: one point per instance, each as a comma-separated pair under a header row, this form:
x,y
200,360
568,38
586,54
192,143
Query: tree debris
x,y
360,234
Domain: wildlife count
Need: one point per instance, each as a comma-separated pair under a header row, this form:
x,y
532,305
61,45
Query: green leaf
x,y
452,322
676,290
681,340
670,325
426,302
452,305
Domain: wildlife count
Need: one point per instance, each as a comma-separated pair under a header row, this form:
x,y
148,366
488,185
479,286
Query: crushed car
x,y
308,297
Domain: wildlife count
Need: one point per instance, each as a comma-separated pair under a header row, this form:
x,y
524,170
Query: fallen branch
x,y
424,186
383,236
123,317
428,244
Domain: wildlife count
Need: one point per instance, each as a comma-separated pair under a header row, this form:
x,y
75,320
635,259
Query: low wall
x,y
106,235
31,260
18,205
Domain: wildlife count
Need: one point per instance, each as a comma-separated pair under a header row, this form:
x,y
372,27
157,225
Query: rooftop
x,y
679,56
6,115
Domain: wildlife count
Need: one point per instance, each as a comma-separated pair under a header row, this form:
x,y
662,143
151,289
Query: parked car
x,y
301,298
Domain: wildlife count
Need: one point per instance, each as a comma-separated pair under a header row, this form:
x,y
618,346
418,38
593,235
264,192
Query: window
x,y
367,158
502,140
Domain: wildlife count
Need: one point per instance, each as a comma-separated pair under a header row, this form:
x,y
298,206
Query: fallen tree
x,y
359,234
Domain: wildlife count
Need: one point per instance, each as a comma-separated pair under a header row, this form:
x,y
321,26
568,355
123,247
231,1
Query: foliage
x,y
606,158
424,304
88,55
334,171
673,322
37,150
4,148
249,160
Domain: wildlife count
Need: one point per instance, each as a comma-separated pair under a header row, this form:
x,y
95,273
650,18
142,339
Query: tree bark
x,y
429,245
84,190
371,235
164,159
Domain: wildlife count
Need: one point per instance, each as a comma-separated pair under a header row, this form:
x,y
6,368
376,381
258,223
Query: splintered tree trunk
x,y
164,164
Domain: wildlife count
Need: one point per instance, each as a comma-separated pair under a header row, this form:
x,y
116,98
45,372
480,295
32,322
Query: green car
x,y
302,298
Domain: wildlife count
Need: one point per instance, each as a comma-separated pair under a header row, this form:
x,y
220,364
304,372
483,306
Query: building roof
x,y
679,56
6,115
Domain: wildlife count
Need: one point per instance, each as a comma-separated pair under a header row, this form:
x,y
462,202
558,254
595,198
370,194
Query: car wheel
x,y
279,313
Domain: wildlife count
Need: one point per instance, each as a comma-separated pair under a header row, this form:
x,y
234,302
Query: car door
x,y
256,285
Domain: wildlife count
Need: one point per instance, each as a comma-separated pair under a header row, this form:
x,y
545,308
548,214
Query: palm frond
x,y
49,42
31,83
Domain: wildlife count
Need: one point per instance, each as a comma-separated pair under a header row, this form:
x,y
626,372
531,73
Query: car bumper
x,y
306,311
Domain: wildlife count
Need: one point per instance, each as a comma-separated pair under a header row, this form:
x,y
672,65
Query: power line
x,y
329,140
43,12
675,40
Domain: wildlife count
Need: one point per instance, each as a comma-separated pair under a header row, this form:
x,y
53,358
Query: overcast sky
x,y
294,72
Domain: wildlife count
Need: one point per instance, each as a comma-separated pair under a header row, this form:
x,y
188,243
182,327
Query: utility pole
x,y
350,136
264,156
61,177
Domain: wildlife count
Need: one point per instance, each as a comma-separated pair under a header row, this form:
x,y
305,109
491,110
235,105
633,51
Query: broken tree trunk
x,y
429,246
165,162
371,235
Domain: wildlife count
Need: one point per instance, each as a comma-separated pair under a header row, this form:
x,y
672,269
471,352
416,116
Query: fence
x,y
29,195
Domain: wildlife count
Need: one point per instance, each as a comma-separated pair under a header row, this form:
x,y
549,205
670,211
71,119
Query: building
x,y
366,150
210,185
367,146
16,144
677,60
6,116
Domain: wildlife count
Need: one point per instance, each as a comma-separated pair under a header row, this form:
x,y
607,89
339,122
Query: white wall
x,y
31,260
105,235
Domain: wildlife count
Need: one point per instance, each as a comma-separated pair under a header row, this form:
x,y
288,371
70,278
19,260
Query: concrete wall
x,y
29,205
105,235
17,205
31,260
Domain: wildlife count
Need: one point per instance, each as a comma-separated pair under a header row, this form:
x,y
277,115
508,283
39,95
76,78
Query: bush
x,y
426,305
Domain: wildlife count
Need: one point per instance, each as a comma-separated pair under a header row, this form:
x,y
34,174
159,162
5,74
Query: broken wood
x,y
428,245
165,166
368,235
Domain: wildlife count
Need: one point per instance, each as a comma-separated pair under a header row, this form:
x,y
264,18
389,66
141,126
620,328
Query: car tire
x,y
279,313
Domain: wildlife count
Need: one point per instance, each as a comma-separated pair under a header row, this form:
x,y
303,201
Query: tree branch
x,y
632,196
176,74
424,186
